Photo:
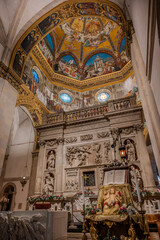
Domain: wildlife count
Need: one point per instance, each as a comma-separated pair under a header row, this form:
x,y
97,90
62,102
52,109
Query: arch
x,y
9,191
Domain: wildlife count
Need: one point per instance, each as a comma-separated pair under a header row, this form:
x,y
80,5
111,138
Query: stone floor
x,y
76,236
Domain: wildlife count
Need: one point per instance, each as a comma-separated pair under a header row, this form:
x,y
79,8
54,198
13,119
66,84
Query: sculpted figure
x,y
51,161
130,151
48,188
111,202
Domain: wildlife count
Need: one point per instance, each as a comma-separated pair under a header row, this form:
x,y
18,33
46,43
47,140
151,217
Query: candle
x,y
83,188
137,187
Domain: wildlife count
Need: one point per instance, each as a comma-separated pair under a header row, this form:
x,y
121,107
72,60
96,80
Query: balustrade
x,y
92,112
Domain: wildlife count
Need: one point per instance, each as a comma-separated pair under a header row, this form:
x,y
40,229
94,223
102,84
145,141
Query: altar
x,y
117,217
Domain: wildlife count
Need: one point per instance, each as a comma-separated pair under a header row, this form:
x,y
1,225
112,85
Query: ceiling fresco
x,y
77,55
78,45
85,47
59,99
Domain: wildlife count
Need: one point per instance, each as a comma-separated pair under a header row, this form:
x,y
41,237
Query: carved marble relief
x,y
71,139
52,142
86,137
77,155
103,134
100,175
48,187
97,148
22,227
106,152
136,169
130,150
72,183
51,158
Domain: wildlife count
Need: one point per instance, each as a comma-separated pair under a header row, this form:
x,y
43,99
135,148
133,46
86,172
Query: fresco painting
x,y
94,32
46,46
89,8
111,13
48,23
68,67
18,62
29,41
99,64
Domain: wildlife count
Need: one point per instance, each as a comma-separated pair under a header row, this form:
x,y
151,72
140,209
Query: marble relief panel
x,y
88,154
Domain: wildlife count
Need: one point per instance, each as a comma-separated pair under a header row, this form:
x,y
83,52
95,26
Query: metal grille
x,y
89,178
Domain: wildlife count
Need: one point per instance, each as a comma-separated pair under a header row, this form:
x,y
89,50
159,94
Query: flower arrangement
x,y
91,209
109,237
144,193
157,192
128,209
86,194
44,198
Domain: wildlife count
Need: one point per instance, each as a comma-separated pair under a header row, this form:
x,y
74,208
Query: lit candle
x,y
83,188
137,187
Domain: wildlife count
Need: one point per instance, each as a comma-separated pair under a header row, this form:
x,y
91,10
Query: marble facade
x,y
84,144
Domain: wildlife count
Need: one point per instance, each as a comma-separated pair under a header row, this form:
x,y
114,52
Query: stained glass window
x,y
103,97
35,76
65,97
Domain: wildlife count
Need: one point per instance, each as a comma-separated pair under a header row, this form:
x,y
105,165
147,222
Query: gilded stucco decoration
x,y
80,47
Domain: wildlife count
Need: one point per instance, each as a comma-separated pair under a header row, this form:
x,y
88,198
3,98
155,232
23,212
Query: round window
x,y
35,76
103,97
65,97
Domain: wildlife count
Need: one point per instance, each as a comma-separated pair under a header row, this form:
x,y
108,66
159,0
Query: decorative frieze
x,y
71,140
87,137
103,134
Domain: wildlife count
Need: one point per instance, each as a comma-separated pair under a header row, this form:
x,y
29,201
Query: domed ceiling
x,y
72,57
85,47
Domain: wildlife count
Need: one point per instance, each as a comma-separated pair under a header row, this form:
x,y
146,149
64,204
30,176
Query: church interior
x,y
80,123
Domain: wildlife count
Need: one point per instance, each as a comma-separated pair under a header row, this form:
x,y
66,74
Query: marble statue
x,y
130,151
139,178
51,161
48,188
111,202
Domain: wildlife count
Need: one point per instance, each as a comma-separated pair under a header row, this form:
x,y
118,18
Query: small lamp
x,y
122,152
23,179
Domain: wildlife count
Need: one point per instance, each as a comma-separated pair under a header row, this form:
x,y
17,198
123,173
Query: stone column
x,y
148,102
8,98
40,169
147,172
59,167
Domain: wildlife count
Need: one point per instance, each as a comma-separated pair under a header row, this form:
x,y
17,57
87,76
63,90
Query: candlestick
x,y
137,187
83,189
